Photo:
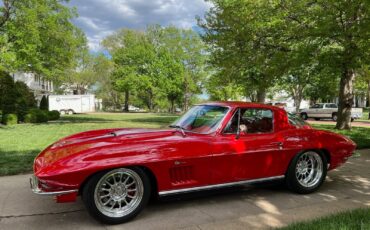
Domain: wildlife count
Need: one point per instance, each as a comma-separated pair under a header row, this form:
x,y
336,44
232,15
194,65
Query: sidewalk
x,y
248,208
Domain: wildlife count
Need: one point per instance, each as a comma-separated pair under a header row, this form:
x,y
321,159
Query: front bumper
x,y
35,187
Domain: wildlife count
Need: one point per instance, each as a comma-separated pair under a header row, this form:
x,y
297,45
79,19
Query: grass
x,y
355,219
360,135
19,144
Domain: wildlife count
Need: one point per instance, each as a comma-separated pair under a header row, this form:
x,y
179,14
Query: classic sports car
x,y
213,145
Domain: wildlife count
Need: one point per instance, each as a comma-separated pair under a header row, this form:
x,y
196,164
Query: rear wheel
x,y
334,116
70,112
306,172
116,196
62,112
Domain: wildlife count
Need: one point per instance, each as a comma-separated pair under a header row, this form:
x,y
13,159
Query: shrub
x,y
36,116
44,104
7,93
53,115
10,119
24,100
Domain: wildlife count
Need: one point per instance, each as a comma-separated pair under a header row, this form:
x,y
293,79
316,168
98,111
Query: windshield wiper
x,y
180,128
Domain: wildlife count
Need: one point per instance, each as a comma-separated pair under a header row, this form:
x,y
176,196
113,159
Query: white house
x,y
37,84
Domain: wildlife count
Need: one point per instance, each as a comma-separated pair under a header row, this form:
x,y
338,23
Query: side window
x,y
251,121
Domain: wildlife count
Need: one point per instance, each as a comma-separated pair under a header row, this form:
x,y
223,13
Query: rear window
x,y
296,120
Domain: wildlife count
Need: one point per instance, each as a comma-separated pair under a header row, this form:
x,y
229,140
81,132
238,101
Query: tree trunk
x,y
368,94
172,106
345,99
297,97
127,98
261,94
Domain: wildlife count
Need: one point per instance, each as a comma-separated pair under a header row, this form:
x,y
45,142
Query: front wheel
x,y
116,196
306,172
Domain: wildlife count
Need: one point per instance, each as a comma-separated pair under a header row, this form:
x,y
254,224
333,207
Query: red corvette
x,y
213,145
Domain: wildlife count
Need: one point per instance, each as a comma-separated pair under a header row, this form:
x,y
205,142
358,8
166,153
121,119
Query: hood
x,y
90,140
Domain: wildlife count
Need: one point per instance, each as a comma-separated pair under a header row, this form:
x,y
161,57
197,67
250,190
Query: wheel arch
x,y
322,151
148,172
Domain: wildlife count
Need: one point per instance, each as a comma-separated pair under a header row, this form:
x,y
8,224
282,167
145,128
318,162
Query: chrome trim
x,y
208,187
34,183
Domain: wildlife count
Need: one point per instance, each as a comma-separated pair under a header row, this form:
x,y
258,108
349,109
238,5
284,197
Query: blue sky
x,y
99,18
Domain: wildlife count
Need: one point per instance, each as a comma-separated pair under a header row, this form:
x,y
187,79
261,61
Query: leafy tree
x,y
44,104
342,29
186,47
38,36
244,39
7,93
25,100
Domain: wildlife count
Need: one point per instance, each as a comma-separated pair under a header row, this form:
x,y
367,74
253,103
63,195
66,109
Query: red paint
x,y
184,162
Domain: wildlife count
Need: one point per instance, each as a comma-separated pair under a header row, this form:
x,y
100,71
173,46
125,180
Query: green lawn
x,y
356,219
19,144
359,135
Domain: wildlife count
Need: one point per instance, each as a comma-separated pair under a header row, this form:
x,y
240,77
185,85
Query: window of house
x,y
252,120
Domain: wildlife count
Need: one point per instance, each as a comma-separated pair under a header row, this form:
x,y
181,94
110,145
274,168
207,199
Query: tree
x,y
38,36
44,104
161,66
244,40
186,47
25,100
7,93
132,66
342,28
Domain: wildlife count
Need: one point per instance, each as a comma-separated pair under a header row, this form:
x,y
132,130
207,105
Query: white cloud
x,y
99,18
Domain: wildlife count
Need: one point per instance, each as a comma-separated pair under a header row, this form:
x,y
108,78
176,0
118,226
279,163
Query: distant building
x,y
37,84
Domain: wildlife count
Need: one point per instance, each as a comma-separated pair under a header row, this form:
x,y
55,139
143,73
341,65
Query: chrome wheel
x,y
309,169
119,192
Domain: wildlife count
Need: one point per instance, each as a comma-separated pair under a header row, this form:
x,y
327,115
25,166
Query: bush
x,y
53,115
10,119
44,104
7,93
36,116
24,100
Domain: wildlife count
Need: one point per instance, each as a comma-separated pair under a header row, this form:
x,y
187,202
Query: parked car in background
x,y
327,111
70,104
213,145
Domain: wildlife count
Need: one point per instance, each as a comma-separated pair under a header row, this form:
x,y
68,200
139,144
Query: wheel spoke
x,y
119,192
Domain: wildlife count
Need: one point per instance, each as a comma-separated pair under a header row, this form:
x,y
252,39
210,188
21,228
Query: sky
x,y
100,18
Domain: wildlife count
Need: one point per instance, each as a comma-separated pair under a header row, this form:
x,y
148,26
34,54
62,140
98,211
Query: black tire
x,y
291,179
352,119
317,119
304,116
334,117
88,195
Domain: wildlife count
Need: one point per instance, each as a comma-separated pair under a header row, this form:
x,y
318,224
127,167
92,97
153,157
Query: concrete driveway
x,y
243,208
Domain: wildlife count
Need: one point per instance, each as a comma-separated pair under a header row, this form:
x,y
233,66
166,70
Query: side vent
x,y
182,175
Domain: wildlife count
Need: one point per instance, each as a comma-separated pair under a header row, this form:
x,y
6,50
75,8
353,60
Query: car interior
x,y
251,121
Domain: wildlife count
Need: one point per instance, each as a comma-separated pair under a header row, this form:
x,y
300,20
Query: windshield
x,y
202,118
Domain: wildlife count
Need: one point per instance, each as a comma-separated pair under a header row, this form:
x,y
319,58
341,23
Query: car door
x,y
249,155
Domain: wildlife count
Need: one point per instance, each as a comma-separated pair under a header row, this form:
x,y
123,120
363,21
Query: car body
x,y
226,144
327,111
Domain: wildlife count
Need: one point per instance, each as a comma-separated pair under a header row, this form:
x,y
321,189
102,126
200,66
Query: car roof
x,y
234,104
